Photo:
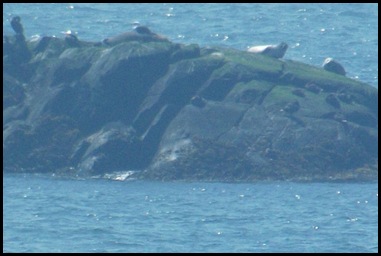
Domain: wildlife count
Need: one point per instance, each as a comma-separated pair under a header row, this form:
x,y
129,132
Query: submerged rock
x,y
182,112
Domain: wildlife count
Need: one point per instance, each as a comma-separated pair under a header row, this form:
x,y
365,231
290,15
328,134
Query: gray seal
x,y
332,65
140,33
275,51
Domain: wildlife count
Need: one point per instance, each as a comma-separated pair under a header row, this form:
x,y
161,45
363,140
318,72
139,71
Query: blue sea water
x,y
43,213
47,214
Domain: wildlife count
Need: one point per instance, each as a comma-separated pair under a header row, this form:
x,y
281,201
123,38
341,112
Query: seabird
x,y
16,25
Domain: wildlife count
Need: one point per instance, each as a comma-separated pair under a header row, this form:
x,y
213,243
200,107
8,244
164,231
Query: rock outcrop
x,y
178,111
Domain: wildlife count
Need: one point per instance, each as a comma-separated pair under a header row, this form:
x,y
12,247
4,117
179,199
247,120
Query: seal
x,y
72,40
332,65
275,51
298,92
143,30
332,100
291,107
41,44
198,101
313,88
140,33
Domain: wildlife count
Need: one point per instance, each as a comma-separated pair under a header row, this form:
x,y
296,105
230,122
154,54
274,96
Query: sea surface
x,y
44,213
48,214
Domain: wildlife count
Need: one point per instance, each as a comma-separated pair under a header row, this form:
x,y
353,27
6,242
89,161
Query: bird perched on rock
x,y
21,50
16,25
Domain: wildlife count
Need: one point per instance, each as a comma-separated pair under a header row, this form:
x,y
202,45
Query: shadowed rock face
x,y
181,112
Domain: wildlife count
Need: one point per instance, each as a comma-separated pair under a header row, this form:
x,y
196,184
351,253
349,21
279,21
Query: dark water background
x,y
47,214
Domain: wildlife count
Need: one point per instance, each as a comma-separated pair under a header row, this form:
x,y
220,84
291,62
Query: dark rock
x,y
362,118
181,112
114,147
270,153
223,80
13,91
337,116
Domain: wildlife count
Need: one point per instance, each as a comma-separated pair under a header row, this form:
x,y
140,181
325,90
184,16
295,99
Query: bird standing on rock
x,y
16,25
20,49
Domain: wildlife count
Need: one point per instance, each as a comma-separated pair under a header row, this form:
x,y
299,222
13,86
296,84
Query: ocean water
x,y
43,213
47,214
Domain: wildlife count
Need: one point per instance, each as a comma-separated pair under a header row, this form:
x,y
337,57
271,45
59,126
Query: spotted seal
x,y
275,51
140,33
332,65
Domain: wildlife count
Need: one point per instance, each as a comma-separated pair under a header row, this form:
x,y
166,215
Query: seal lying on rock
x,y
198,101
275,51
72,40
140,33
331,65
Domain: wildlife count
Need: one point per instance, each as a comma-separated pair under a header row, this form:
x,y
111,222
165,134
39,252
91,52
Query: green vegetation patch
x,y
280,94
259,85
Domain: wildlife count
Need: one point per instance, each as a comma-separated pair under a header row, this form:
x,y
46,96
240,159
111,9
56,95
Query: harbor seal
x,y
140,33
332,65
275,51
332,100
291,107
198,101
72,40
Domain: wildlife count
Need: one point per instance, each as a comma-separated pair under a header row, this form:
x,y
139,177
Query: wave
x,y
120,176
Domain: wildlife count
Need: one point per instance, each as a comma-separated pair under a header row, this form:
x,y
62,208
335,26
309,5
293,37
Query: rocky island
x,y
171,111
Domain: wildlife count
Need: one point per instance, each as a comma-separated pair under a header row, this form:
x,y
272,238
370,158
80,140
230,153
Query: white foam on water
x,y
119,176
